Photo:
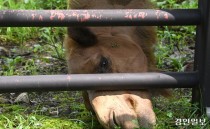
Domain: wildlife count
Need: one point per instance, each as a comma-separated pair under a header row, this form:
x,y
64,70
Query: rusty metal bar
x,y
127,17
114,81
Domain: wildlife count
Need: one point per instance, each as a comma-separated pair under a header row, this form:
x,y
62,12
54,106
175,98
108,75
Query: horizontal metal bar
x,y
114,17
114,81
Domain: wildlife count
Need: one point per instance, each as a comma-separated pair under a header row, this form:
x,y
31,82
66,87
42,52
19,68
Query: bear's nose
x,y
122,109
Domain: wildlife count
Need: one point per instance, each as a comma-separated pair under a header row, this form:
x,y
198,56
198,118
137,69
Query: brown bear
x,y
114,50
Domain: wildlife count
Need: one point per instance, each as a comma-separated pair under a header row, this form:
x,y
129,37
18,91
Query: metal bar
x,y
197,91
114,81
127,17
202,58
205,73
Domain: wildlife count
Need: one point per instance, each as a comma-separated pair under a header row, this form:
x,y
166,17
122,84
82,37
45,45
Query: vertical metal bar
x,y
206,73
198,59
201,93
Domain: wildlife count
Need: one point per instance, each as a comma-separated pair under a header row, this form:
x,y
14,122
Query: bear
x,y
114,49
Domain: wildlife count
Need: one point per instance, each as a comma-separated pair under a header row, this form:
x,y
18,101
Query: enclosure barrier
x,y
198,80
131,17
115,81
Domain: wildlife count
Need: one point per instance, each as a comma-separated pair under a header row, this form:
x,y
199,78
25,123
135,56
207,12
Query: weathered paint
x,y
131,17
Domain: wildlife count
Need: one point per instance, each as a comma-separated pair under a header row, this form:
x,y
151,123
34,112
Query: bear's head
x,y
111,50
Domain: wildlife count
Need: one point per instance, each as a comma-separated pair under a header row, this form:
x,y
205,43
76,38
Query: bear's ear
x,y
82,35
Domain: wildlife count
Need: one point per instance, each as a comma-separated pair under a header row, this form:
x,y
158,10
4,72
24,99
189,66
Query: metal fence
x,y
197,80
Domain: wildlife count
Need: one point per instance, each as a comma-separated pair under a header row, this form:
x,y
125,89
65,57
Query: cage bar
x,y
108,17
112,81
203,57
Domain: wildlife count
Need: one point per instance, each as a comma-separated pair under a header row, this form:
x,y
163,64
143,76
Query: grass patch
x,y
15,116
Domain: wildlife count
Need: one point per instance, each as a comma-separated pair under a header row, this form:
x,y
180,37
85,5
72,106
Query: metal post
x,y
201,93
206,73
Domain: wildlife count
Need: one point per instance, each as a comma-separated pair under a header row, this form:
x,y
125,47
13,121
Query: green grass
x,y
174,47
15,116
40,115
38,50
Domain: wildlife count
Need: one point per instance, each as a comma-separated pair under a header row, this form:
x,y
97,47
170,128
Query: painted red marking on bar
x,y
158,14
33,16
166,16
85,17
52,15
57,14
40,18
142,15
61,16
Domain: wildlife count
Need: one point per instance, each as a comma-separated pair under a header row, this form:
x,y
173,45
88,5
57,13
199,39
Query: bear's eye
x,y
104,65
104,62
